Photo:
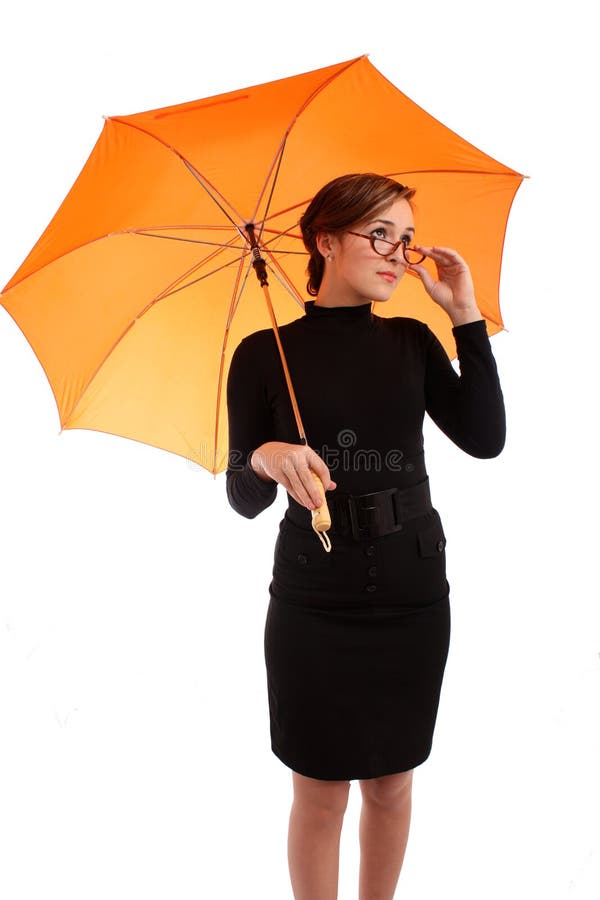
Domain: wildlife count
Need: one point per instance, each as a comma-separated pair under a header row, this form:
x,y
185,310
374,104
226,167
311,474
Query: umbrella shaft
x,y
259,266
258,263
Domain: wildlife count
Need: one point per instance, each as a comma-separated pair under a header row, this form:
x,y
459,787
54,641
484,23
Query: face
x,y
357,274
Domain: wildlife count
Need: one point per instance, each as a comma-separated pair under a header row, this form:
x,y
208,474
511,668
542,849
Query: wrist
x,y
257,467
466,315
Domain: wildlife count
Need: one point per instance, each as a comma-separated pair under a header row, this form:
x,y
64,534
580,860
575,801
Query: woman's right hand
x,y
292,466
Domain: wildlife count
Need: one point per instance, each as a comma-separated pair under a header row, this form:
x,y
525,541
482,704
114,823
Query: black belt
x,y
364,516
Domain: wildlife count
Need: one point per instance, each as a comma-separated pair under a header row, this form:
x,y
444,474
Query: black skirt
x,y
356,642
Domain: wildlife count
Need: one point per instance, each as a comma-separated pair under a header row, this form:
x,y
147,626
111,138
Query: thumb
x,y
425,276
326,479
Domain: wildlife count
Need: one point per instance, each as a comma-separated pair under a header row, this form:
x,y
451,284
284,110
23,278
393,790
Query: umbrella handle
x,y
321,517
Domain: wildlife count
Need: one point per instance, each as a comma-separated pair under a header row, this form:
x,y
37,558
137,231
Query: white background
x,y
134,753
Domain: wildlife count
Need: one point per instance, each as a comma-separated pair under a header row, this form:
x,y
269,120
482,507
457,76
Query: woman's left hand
x,y
453,290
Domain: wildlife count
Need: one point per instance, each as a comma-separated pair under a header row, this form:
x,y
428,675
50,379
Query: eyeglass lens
x,y
411,256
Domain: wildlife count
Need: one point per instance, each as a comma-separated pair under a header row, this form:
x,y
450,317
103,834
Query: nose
x,y
395,254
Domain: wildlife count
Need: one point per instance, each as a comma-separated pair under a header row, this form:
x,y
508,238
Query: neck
x,y
341,303
328,296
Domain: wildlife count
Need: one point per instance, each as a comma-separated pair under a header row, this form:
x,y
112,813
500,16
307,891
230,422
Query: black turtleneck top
x,y
363,384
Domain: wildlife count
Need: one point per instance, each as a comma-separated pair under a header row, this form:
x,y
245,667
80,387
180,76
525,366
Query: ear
x,y
324,242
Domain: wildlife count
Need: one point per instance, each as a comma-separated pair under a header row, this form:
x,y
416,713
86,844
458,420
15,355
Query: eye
x,y
406,239
379,233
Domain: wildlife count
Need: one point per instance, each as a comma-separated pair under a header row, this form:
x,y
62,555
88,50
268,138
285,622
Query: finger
x,y
304,488
424,275
320,468
320,488
303,480
441,254
446,250
434,249
315,486
432,253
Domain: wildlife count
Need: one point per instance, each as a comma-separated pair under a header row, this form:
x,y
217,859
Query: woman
x,y
356,640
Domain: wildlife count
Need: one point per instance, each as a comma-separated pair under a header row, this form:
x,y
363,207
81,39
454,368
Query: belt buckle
x,y
360,532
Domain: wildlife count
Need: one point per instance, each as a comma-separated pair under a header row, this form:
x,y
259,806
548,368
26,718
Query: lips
x,y
390,277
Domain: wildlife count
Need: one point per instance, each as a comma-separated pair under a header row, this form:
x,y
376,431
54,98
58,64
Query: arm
x,y
249,426
469,409
257,463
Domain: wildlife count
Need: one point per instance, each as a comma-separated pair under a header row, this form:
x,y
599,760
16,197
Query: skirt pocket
x,y
432,540
301,551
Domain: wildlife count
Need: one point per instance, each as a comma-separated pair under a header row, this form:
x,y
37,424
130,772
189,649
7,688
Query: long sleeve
x,y
468,408
250,426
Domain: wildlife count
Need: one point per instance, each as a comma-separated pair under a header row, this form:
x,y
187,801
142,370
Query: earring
x,y
329,258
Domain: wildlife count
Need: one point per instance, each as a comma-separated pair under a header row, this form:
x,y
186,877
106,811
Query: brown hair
x,y
343,203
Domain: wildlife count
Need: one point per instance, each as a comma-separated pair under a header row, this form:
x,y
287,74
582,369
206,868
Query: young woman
x,y
356,639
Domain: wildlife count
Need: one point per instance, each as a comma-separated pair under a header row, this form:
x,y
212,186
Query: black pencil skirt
x,y
356,642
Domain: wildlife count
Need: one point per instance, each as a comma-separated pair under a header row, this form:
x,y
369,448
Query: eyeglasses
x,y
385,248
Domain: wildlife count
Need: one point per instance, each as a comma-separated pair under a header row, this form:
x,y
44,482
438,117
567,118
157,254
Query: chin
x,y
383,299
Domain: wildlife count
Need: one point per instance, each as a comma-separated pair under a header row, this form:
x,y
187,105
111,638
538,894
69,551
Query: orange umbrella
x,y
139,290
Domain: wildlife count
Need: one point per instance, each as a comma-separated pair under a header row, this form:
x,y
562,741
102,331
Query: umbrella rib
x,y
168,237
281,276
171,237
276,235
166,292
172,227
204,184
104,237
202,277
274,182
161,296
236,294
172,289
455,172
275,166
287,209
210,189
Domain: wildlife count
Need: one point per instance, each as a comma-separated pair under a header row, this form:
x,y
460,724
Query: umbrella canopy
x,y
139,290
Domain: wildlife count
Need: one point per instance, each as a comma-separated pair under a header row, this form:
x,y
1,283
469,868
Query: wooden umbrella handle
x,y
321,517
